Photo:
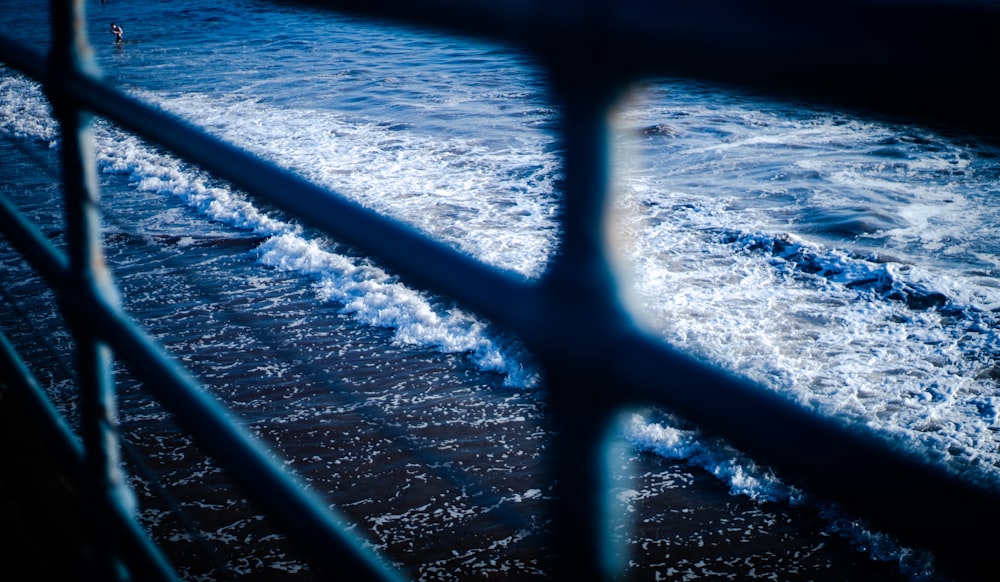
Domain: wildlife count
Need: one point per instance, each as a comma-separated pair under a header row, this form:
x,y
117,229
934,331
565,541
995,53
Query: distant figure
x,y
118,32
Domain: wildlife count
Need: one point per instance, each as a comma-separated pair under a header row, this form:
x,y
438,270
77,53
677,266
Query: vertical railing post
x,y
583,309
89,282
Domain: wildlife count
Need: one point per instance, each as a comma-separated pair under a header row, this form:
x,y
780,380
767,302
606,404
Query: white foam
x,y
374,297
367,292
741,473
24,111
722,272
490,196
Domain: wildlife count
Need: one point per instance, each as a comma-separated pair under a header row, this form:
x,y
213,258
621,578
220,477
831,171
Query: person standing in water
x,y
118,32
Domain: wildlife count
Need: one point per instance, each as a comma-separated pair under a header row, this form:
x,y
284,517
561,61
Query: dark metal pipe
x,y
490,291
37,249
920,503
311,524
307,519
142,558
568,344
88,275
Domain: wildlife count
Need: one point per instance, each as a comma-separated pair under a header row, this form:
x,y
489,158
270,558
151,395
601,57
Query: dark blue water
x,y
845,262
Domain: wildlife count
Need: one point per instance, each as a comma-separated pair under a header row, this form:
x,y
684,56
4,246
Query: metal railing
x,y
922,59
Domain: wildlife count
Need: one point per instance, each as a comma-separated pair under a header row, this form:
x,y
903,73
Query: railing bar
x,y
24,59
313,525
23,376
141,555
582,396
87,276
22,234
204,417
179,394
498,295
921,503
60,437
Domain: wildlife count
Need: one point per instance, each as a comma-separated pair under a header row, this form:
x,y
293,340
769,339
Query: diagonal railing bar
x,y
486,289
142,558
22,234
18,377
919,503
426,262
20,57
311,523
66,447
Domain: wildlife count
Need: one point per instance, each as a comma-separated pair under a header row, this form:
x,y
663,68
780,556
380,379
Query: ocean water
x,y
846,262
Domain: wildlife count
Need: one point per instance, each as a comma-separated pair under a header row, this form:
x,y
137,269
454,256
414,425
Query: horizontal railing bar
x,y
37,250
205,418
427,263
923,57
36,404
490,291
22,58
310,522
921,503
